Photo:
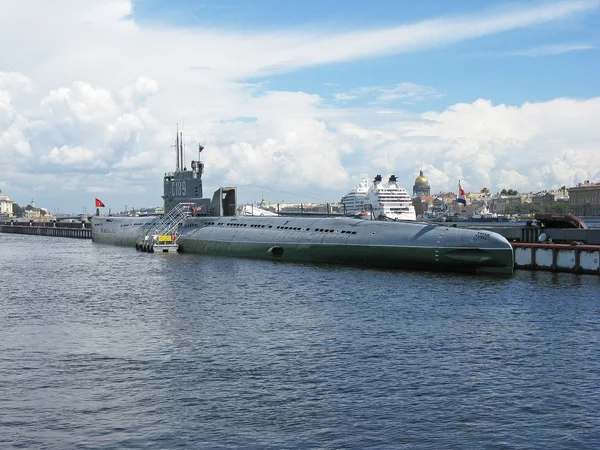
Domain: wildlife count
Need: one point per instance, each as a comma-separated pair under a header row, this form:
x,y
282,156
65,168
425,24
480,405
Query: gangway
x,y
162,236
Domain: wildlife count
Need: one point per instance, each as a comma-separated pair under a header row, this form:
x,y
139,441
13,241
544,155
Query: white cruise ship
x,y
378,199
354,201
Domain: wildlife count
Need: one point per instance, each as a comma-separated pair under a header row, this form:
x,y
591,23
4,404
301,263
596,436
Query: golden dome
x,y
421,179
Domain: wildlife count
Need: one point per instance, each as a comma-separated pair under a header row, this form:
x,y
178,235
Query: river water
x,y
104,347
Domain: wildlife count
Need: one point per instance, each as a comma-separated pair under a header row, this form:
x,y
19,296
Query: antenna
x,y
183,143
177,146
181,146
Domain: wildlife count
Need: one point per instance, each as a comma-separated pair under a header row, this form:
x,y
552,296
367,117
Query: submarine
x,y
211,226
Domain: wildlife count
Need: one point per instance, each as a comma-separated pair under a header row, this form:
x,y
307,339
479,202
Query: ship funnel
x,y
393,179
377,179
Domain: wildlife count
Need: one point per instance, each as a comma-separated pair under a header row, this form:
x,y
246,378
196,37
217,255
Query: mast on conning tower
x,y
182,154
177,147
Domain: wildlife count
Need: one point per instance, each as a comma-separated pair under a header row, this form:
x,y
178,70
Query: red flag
x,y
462,195
99,204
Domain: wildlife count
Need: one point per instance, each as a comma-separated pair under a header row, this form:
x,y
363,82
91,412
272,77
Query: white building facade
x,y
6,205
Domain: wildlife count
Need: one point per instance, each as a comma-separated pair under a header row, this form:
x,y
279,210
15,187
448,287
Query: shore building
x,y
6,205
584,199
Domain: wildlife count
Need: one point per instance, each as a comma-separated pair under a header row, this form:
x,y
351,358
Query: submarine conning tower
x,y
185,186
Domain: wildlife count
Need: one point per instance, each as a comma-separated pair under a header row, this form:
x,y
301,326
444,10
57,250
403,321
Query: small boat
x,y
158,244
362,215
484,215
165,244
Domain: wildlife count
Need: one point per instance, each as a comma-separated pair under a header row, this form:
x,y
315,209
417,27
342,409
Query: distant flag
x,y
462,196
200,148
99,204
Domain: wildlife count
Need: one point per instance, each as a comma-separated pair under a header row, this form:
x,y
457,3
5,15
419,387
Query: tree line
x,y
19,211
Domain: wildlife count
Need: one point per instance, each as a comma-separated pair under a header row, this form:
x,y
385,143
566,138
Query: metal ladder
x,y
169,223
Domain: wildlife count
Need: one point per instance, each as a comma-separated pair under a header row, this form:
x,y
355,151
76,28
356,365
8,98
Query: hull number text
x,y
178,188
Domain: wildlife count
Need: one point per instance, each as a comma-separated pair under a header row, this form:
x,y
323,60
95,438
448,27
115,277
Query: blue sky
x,y
296,98
511,67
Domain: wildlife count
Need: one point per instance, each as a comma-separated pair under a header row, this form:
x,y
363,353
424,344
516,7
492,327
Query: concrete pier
x,y
557,257
551,249
520,233
68,230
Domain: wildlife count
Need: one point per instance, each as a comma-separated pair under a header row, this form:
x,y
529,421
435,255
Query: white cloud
x,y
14,145
6,109
137,94
82,102
125,128
14,148
533,146
343,96
95,41
407,93
554,49
76,157
305,50
15,82
91,101
402,92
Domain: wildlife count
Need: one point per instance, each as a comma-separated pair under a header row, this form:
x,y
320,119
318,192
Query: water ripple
x,y
104,347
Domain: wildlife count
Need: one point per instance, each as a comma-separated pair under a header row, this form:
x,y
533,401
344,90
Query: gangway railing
x,y
169,223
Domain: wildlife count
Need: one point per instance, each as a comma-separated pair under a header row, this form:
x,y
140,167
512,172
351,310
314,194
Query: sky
x,y
294,101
